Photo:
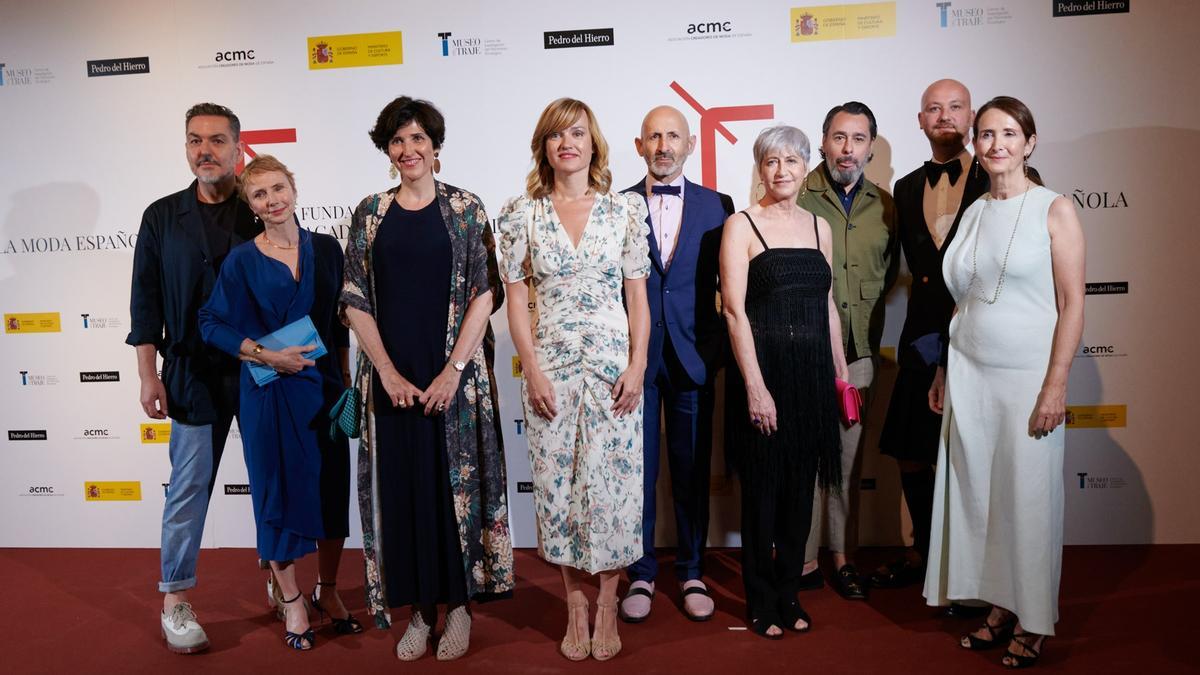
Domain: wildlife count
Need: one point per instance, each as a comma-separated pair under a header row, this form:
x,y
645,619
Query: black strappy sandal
x,y
346,626
762,624
793,612
301,642
999,634
1014,661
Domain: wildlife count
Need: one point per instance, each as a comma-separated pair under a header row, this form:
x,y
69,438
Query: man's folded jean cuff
x,y
176,586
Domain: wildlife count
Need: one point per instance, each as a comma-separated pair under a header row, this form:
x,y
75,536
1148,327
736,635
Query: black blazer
x,y
929,303
173,275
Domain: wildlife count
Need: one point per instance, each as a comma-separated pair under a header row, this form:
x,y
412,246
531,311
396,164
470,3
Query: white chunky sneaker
x,y
181,630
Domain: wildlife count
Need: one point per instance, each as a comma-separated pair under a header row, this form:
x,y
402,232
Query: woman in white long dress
x,y
1016,272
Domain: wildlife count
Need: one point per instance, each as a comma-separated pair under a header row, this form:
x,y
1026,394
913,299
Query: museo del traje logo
x,y
21,75
456,45
964,15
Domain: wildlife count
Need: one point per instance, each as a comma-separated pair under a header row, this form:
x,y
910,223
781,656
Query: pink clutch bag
x,y
850,401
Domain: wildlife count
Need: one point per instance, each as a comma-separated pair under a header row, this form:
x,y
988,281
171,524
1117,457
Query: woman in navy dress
x,y
420,285
299,477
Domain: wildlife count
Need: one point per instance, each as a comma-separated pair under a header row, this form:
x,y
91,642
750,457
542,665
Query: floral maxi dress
x,y
586,463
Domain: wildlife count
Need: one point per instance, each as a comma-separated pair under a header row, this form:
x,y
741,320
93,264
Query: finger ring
x,y
441,407
756,421
402,404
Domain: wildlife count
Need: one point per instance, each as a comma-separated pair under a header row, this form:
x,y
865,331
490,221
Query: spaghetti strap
x,y
816,234
756,232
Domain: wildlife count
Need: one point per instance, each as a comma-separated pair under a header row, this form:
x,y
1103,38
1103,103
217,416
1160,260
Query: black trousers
x,y
775,521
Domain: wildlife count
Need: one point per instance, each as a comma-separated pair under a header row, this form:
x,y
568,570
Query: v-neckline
x,y
299,262
563,228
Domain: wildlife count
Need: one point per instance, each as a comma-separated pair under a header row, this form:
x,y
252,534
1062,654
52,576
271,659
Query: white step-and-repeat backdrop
x,y
92,97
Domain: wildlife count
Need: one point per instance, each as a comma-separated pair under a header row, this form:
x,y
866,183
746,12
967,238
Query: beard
x,y
209,179
946,137
656,169
847,176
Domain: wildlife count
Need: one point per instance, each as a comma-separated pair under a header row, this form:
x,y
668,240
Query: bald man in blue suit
x,y
687,344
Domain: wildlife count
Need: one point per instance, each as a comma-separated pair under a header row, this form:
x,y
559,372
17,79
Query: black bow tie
x,y
665,190
933,171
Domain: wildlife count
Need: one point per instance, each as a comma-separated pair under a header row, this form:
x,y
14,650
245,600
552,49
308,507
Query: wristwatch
x,y
460,366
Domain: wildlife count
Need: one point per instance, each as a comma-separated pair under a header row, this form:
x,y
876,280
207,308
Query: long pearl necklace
x,y
1004,263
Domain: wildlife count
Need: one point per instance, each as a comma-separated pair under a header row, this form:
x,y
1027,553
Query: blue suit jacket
x,y
683,296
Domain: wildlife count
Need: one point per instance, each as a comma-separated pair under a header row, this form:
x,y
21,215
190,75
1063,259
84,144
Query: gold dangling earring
x,y
437,164
392,172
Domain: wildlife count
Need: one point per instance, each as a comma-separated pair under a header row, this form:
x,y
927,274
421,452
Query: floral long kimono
x,y
474,447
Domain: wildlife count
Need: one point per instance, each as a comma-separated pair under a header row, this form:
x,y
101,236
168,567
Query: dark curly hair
x,y
400,112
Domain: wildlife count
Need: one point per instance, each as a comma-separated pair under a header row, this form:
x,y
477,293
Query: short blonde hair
x,y
260,165
558,116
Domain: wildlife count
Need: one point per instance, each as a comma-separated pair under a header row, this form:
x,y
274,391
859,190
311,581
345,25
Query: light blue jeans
x,y
195,455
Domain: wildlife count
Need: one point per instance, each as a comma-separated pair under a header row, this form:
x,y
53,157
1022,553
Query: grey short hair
x,y
780,137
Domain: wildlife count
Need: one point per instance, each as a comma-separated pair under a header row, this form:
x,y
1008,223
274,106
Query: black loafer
x,y
897,574
960,611
847,584
812,581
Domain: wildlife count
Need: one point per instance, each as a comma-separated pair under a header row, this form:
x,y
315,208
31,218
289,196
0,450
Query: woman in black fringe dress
x,y
781,408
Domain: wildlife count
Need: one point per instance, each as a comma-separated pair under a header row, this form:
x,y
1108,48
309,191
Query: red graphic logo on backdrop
x,y
263,137
711,122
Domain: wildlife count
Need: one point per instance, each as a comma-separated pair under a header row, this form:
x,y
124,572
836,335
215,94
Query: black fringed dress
x,y
787,305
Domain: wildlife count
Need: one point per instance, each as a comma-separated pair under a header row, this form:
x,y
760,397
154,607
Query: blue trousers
x,y
687,409
195,451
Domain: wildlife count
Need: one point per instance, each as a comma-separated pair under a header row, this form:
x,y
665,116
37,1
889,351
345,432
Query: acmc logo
x,y
711,122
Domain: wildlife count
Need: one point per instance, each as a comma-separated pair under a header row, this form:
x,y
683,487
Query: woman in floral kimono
x,y
421,283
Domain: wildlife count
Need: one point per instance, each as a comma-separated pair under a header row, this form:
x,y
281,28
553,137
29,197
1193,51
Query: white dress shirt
x,y
666,217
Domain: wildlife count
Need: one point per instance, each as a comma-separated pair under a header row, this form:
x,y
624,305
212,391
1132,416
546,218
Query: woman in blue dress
x,y
299,477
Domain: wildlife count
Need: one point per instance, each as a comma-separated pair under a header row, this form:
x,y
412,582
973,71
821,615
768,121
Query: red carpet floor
x,y
1124,610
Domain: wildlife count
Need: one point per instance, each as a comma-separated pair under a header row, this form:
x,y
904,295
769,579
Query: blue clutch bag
x,y
297,333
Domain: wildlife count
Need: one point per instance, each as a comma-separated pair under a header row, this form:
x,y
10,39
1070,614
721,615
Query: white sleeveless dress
x,y
998,500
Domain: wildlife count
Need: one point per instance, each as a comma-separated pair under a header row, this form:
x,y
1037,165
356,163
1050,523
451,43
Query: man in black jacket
x,y
930,202
181,243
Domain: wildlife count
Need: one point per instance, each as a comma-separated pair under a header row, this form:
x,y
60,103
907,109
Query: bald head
x,y
945,117
946,89
665,143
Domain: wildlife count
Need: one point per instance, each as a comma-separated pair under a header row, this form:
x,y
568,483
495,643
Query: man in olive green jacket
x,y
862,217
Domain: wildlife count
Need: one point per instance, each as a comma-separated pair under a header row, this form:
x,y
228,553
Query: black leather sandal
x,y
1014,661
346,626
793,612
761,625
301,642
999,633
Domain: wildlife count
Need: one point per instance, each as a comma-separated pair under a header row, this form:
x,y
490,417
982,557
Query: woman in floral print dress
x,y
420,286
579,245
